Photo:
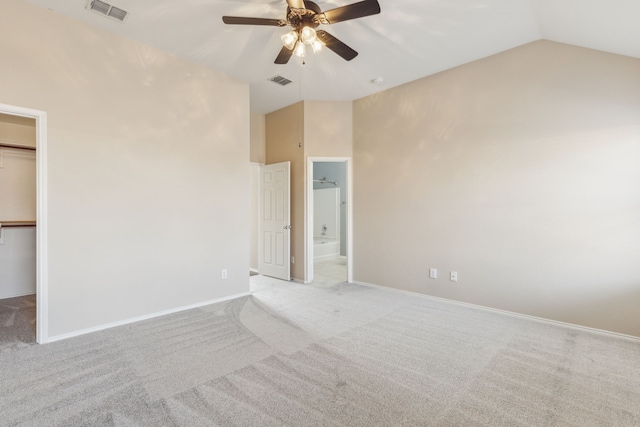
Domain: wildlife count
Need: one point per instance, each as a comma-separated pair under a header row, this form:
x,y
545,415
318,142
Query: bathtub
x,y
325,248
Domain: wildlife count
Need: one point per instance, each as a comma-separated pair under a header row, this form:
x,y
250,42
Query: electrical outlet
x,y
293,260
433,273
454,276
224,273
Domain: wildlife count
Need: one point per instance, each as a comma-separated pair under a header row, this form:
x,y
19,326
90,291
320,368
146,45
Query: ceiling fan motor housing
x,y
308,17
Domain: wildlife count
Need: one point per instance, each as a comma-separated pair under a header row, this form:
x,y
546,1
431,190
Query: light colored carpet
x,y
17,321
329,354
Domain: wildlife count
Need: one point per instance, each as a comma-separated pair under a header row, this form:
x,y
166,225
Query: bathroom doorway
x,y
328,220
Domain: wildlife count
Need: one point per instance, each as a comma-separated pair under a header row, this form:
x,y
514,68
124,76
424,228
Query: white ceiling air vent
x,y
282,81
107,10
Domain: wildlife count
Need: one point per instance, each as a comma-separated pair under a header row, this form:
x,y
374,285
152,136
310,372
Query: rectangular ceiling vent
x,y
282,81
106,9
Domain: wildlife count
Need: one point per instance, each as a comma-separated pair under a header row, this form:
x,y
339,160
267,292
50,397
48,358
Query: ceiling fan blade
x,y
237,20
296,4
283,56
336,45
352,11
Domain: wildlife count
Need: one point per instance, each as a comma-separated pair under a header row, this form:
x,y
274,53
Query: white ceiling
x,y
408,40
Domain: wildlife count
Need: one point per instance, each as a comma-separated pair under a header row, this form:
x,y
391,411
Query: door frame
x,y
42,271
308,217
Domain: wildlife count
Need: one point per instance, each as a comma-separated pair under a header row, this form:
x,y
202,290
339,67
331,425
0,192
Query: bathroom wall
x,y
17,203
326,213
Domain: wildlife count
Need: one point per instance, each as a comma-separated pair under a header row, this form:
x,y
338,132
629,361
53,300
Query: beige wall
x,y
257,150
520,172
322,129
147,169
254,178
257,157
328,128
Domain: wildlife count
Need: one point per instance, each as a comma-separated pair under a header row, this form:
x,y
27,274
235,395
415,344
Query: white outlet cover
x,y
433,273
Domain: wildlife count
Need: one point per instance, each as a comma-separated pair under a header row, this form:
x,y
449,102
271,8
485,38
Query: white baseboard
x,y
140,318
22,294
254,270
506,312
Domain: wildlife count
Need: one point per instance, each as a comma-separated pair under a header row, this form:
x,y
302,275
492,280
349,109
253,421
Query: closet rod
x,y
8,224
19,147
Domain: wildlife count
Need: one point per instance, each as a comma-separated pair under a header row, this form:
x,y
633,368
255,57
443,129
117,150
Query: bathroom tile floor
x,y
333,270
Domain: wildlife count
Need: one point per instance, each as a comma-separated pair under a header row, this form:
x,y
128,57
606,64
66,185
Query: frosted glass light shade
x,y
289,40
308,35
317,46
300,50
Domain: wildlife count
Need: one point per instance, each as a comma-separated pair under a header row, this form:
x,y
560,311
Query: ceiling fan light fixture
x,y
317,46
304,16
289,40
308,35
300,50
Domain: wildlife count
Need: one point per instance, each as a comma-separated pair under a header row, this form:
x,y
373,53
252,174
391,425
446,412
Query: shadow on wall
x,y
611,312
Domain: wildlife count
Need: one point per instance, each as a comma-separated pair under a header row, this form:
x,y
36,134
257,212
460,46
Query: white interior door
x,y
275,225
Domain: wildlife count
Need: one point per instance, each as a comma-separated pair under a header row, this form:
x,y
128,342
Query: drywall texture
x,y
328,128
147,169
520,172
17,203
257,150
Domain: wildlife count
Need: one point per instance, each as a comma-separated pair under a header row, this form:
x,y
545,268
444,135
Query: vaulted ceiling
x,y
408,40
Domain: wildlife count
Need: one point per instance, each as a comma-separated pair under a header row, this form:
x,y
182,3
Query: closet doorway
x,y
23,225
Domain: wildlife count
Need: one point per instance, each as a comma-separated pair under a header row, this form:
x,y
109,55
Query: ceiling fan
x,y
304,16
